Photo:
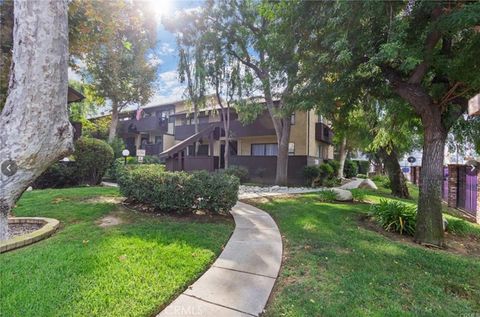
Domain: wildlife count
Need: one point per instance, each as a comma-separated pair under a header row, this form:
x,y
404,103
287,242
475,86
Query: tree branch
x,y
430,43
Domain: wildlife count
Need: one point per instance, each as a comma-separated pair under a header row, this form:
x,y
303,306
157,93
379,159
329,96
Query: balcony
x,y
323,133
153,149
144,125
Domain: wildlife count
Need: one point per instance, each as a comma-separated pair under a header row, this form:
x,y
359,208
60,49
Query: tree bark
x,y
112,132
429,224
282,158
397,180
342,156
35,127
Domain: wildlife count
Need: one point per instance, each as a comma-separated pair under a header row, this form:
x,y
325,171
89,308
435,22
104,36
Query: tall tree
x,y
189,27
121,67
426,52
35,133
268,48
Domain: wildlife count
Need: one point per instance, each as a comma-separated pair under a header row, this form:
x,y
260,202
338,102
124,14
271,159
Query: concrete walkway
x,y
240,281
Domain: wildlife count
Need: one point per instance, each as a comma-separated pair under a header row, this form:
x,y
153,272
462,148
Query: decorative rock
x,y
352,184
368,184
29,189
342,194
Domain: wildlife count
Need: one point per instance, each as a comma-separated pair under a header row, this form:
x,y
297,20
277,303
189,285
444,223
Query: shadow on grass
x,y
333,267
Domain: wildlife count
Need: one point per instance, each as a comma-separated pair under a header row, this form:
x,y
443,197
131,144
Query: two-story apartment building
x,y
168,131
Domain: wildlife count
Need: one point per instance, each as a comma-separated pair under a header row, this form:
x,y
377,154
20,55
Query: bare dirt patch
x,y
104,200
467,245
109,221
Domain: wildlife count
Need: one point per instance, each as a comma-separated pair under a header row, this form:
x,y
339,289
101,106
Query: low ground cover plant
x,y
358,194
395,216
178,192
327,196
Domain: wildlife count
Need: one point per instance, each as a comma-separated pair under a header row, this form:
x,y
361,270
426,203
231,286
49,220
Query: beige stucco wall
x,y
298,133
312,144
168,141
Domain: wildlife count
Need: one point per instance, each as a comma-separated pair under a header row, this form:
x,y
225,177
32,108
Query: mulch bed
x,y
18,229
467,245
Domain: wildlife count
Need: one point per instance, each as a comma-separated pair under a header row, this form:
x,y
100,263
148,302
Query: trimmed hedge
x,y
178,192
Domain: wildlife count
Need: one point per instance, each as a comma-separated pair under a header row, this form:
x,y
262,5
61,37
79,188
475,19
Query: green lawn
x,y
334,267
133,269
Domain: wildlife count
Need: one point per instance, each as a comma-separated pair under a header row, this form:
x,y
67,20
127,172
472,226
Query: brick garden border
x,y
50,225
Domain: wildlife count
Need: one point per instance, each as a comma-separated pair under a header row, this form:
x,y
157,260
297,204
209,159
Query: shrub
x,y
326,170
379,178
58,175
358,194
178,192
150,159
92,158
327,196
239,171
363,167
335,165
362,176
117,146
331,182
395,216
311,173
350,169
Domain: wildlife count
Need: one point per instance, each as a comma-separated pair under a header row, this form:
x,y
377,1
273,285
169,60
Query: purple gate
x,y
471,190
445,184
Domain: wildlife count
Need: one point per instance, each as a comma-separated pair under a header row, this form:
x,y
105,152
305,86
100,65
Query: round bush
x,y
92,158
58,175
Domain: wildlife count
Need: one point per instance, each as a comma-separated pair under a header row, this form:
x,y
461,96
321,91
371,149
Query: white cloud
x,y
169,89
166,49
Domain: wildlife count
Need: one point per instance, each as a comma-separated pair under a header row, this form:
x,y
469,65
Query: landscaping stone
x,y
368,184
258,191
360,183
342,194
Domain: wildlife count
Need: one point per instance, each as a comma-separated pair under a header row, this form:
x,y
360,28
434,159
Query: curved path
x,y
240,281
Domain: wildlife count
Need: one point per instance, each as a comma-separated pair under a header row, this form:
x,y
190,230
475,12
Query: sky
x,y
167,87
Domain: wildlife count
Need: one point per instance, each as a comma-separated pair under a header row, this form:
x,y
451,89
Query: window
x,y
158,139
292,119
264,149
291,148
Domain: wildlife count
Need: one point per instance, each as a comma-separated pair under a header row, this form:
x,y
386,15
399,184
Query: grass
x,y
334,267
132,269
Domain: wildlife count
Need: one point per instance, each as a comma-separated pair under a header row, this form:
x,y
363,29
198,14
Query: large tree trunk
x,y
35,127
429,227
397,180
112,132
282,157
342,156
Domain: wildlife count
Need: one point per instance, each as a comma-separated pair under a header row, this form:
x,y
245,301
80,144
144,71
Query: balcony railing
x,y
144,125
